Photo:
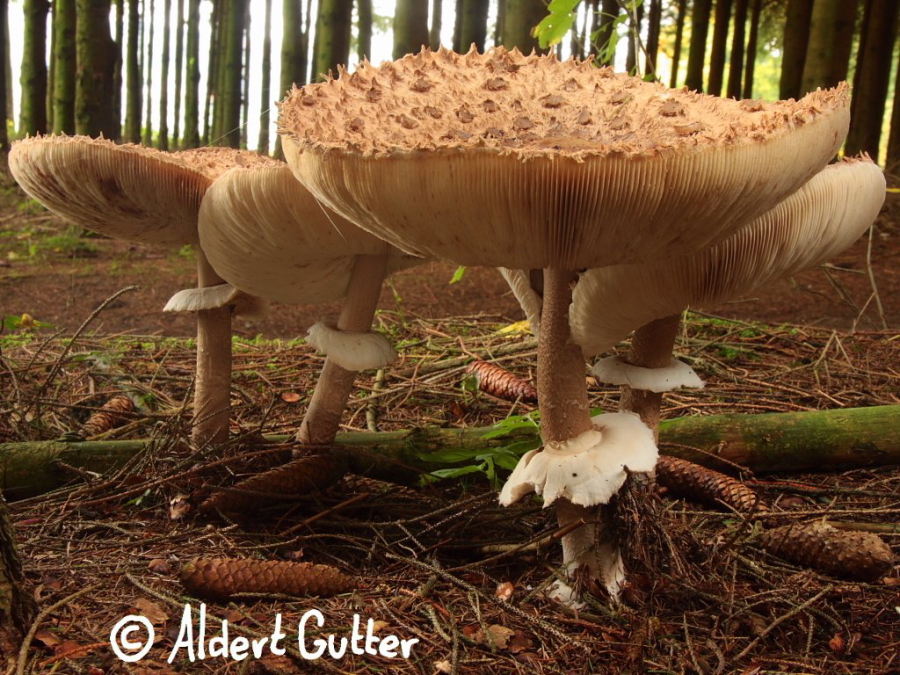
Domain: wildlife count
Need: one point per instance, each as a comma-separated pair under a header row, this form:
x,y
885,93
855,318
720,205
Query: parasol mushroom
x,y
266,234
151,197
505,160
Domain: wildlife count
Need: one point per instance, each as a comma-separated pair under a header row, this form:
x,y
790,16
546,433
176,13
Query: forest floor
x,y
441,563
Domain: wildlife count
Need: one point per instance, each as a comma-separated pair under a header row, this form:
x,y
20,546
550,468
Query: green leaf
x,y
455,473
458,274
557,23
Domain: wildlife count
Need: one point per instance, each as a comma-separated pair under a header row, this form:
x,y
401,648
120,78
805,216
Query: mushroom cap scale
x,y
815,223
126,192
529,162
268,235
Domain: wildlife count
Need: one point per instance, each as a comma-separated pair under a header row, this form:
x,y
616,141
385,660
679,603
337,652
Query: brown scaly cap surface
x,y
123,191
267,235
508,160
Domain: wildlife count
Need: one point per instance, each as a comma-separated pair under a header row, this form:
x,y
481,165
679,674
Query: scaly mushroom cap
x,y
265,233
123,191
506,160
814,224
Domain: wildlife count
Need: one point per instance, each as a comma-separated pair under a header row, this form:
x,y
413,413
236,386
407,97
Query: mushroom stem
x,y
323,417
651,347
212,391
561,374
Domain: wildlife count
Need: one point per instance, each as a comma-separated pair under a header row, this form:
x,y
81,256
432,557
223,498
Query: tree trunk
x,y
654,19
824,440
245,77
10,112
719,45
363,29
873,72
892,163
33,80
681,13
434,32
605,40
17,607
51,68
213,74
228,99
471,22
117,67
697,51
736,63
135,92
796,40
4,131
64,25
179,65
410,27
830,43
94,91
163,139
266,84
192,78
147,34
332,36
293,46
520,18
635,24
752,42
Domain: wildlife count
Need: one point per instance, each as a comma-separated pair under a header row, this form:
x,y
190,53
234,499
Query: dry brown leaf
x,y
160,566
444,667
48,639
520,643
152,611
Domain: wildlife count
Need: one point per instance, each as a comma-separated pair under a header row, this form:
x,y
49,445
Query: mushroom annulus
x,y
505,160
151,197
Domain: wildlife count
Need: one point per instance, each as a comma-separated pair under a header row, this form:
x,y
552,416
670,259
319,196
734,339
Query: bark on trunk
x,y
434,31
736,62
752,41
163,140
192,78
323,417
635,24
134,82
519,18
64,24
697,50
179,66
17,607
410,27
94,94
604,40
719,45
654,18
679,39
332,36
227,130
265,86
33,117
147,35
212,389
830,43
796,40
472,25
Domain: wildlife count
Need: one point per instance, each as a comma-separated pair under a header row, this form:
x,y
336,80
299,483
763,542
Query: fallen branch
x,y
802,441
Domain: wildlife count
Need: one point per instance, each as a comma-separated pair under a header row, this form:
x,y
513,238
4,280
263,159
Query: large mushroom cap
x,y
123,191
501,159
265,233
815,223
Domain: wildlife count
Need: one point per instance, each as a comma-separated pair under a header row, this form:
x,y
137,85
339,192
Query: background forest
x,y
96,66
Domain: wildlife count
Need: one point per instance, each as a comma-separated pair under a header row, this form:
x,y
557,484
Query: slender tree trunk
x,y
609,11
293,46
94,90
179,65
697,52
434,32
752,42
134,94
192,78
163,139
519,20
870,83
10,112
245,79
117,69
363,29
33,117
410,27
679,39
147,34
64,24
796,39
332,36
51,68
266,85
229,96
654,19
719,45
736,63
830,43
892,163
4,131
213,73
635,25
471,21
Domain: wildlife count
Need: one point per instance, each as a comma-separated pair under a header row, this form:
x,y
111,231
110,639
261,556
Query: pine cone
x,y
706,486
499,382
113,414
301,476
857,555
221,578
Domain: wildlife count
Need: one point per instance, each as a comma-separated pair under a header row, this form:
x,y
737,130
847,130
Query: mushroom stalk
x,y
651,347
323,417
212,391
